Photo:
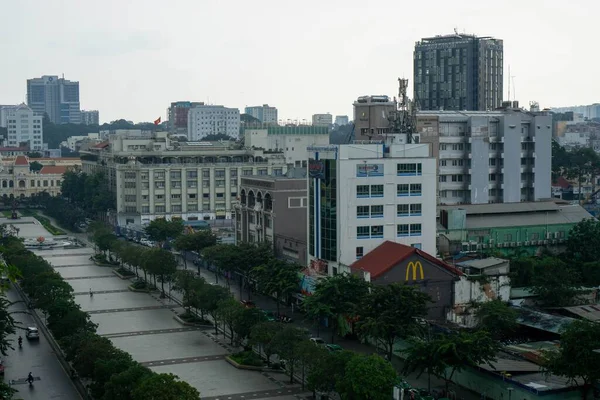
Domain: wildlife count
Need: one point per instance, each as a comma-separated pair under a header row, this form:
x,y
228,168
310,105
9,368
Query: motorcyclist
x,y
30,378
20,341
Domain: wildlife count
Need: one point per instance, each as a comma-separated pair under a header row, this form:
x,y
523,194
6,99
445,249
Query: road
x,y
37,357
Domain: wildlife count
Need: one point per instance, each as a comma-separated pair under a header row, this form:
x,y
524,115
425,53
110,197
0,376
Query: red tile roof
x,y
21,160
388,254
24,148
53,169
562,182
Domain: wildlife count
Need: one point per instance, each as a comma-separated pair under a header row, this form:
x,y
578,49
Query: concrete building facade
x,y
18,181
273,209
371,116
322,120
293,141
265,113
56,97
458,72
154,177
205,120
24,126
90,117
499,156
360,195
178,115
341,120
4,109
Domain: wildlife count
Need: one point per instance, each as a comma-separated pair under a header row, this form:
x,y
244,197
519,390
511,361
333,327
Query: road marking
x,y
186,360
116,310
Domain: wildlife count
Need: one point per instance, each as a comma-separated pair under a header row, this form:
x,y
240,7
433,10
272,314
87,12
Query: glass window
x,y
219,173
192,174
176,208
362,232
416,245
362,211
176,175
233,173
192,184
206,183
415,189
192,207
402,230
402,189
402,210
359,252
409,169
176,184
415,229
362,191
206,173
377,231
376,190
415,209
159,185
159,209
377,211
220,183
159,175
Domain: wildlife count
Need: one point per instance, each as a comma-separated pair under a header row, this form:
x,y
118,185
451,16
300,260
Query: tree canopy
x,y
160,230
497,318
367,377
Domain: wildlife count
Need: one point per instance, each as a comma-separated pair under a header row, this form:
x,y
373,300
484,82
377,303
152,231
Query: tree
x,y
555,283
185,283
367,377
66,318
91,350
35,166
446,354
225,257
6,391
228,310
497,318
107,366
575,359
279,278
244,320
160,230
390,312
583,244
164,387
210,298
308,354
7,326
286,343
49,288
327,370
262,334
121,385
338,296
160,263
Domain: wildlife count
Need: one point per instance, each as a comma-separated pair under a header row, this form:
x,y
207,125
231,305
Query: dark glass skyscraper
x,y
458,72
56,97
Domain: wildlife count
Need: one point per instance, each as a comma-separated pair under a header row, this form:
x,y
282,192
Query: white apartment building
x,y
73,142
23,126
293,140
322,119
4,109
265,113
502,156
204,120
361,195
153,177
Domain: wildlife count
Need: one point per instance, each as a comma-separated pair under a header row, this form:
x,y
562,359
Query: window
x,y
220,173
206,183
220,183
220,195
247,171
159,175
129,185
362,191
176,184
277,171
250,218
377,231
402,189
442,163
457,146
492,162
130,209
176,208
508,237
192,184
129,175
159,209
145,209
360,252
130,198
176,196
233,173
192,207
376,190
192,174
402,230
443,146
442,178
415,189
263,171
402,210
45,183
415,229
409,169
415,209
145,185
457,178
362,211
377,211
492,177
362,232
233,182
206,173
457,163
535,236
159,185
160,197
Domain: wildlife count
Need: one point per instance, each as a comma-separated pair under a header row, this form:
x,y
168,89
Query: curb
x,y
114,271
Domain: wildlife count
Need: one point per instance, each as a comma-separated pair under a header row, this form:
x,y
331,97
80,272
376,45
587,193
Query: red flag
x,y
156,122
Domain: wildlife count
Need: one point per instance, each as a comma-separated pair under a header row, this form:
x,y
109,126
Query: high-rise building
x,y
205,120
90,117
24,126
502,156
57,97
371,116
322,119
361,195
265,113
178,115
166,179
458,72
341,120
4,113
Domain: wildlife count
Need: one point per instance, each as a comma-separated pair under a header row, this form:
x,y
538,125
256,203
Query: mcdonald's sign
x,y
414,266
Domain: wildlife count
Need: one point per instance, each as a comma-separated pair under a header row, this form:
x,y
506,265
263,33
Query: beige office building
x,y
155,177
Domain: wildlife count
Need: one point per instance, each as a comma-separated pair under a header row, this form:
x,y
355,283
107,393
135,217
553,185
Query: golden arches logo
x,y
414,266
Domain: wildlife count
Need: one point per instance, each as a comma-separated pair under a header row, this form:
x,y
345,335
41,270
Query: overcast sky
x,y
133,57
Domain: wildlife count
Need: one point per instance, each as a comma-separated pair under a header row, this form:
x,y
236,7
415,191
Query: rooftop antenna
x,y
509,82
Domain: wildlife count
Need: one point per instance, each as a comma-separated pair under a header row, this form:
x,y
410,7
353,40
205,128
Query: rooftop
x,y
542,321
483,263
389,254
54,169
590,312
21,160
291,129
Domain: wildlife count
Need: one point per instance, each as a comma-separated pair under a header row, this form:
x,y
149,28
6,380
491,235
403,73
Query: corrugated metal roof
x,y
589,312
542,321
570,214
482,263
505,208
506,365
544,383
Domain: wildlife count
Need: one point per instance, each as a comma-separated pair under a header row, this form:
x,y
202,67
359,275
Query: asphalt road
x,y
37,357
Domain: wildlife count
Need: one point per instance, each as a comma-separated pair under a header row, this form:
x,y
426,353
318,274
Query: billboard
x,y
316,169
364,170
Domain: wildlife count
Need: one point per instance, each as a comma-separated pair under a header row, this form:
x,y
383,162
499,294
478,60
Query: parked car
x,y
318,341
32,333
333,348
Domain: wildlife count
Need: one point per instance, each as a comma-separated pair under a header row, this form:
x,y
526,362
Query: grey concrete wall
x,y
512,157
478,127
542,127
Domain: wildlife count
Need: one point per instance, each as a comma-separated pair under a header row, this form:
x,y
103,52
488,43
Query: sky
x,y
134,57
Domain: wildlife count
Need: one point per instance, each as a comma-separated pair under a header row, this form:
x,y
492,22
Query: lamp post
x,y
510,390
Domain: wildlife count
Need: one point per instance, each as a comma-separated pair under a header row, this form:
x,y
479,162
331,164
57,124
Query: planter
x,y
122,276
252,367
130,287
102,264
195,324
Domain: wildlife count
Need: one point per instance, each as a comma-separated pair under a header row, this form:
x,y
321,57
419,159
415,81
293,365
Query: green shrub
x,y
193,319
247,358
124,271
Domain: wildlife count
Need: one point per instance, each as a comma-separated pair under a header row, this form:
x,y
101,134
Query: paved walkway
x,y
143,325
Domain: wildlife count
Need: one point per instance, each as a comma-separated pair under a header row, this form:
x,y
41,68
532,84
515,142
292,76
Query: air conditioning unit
x,y
562,240
549,235
491,242
519,244
500,245
556,235
485,246
479,247
527,243
545,242
513,244
465,246
554,241
473,246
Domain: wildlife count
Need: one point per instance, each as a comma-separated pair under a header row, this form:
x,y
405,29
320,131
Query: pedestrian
x,y
292,307
91,293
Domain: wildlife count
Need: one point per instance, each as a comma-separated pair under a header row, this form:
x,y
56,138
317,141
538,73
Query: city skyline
x,y
145,57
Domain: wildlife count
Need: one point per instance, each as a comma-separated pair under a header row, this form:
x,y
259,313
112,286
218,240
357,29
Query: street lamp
x,y
510,390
